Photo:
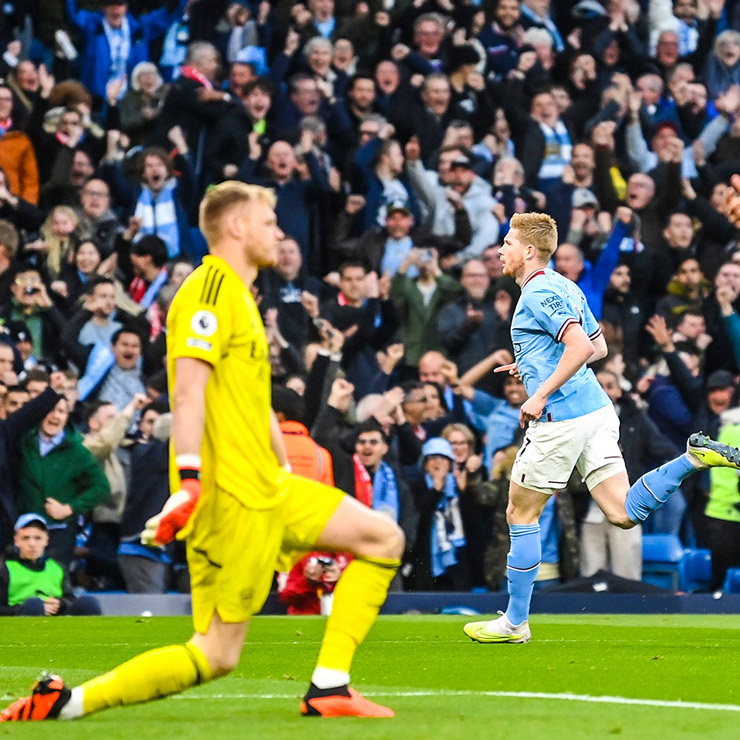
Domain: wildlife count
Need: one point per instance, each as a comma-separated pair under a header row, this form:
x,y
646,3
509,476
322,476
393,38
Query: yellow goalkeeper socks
x,y
152,675
358,597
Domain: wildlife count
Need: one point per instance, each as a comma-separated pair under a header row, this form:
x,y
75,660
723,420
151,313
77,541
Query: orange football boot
x,y
48,696
340,701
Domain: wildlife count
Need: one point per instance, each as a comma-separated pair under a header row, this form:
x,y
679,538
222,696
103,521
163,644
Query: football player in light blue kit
x,y
571,421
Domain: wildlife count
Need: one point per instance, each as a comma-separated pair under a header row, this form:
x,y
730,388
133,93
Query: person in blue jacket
x,y
115,41
593,279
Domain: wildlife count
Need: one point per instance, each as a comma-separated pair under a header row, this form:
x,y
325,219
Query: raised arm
x,y
482,368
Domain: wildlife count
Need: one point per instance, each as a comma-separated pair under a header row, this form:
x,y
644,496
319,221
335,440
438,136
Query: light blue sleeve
x,y
483,405
552,311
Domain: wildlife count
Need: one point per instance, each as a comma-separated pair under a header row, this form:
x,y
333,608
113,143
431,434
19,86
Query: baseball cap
x,y
26,520
399,205
584,197
19,331
666,124
462,161
720,379
588,9
437,446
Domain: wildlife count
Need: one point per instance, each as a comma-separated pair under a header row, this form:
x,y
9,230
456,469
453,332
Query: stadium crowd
x,y
400,136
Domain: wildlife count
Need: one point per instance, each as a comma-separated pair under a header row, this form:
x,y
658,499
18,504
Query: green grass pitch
x,y
582,677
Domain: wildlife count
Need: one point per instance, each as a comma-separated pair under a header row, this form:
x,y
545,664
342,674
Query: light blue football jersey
x,y
549,303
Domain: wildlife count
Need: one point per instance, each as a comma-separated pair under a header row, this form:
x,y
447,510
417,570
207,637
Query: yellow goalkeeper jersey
x,y
215,318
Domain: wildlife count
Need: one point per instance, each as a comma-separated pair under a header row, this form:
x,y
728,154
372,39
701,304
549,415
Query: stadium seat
x,y
661,558
732,581
695,571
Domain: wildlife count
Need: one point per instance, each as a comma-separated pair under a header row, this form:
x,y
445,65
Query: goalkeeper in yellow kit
x,y
234,503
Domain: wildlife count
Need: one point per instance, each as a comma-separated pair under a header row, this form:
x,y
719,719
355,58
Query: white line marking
x,y
586,698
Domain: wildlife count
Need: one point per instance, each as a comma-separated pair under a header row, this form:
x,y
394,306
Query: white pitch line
x,y
585,698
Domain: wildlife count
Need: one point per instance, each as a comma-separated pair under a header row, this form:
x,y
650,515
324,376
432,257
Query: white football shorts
x,y
551,449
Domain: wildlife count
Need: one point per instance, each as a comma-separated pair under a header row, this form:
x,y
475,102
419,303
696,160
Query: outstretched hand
x,y
512,368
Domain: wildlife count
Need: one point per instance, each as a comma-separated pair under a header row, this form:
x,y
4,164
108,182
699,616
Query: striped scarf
x,y
158,216
688,38
119,43
558,150
548,24
447,527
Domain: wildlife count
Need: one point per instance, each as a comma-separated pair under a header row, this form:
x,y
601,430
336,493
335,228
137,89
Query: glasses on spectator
x,y
371,442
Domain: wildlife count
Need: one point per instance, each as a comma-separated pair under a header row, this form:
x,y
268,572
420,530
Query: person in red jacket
x,y
311,580
315,575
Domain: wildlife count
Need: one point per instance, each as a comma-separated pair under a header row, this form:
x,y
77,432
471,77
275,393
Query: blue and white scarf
x,y
688,38
447,527
547,23
385,492
119,43
558,150
158,215
174,49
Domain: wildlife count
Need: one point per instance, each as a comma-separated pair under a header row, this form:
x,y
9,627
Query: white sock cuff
x,y
328,678
73,708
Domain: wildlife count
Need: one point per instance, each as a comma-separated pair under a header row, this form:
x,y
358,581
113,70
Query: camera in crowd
x,y
321,560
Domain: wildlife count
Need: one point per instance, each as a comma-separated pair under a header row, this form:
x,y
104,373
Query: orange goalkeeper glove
x,y
162,528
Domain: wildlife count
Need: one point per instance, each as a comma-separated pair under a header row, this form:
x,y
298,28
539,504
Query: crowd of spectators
x,y
400,136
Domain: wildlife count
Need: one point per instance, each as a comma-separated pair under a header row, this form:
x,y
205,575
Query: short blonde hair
x,y
460,429
539,230
221,198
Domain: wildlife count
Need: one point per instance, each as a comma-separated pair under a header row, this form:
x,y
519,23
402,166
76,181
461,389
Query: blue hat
x,y
256,56
437,446
25,520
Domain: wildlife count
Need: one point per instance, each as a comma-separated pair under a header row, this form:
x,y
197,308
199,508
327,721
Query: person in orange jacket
x,y
306,457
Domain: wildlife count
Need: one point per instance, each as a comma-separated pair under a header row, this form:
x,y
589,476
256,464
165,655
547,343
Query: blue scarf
x,y
119,43
558,151
385,491
99,362
158,215
688,37
153,290
447,528
548,24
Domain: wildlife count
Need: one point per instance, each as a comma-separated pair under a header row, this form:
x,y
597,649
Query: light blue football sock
x,y
522,566
653,489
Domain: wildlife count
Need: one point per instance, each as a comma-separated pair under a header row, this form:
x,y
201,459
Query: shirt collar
x,y
541,271
53,441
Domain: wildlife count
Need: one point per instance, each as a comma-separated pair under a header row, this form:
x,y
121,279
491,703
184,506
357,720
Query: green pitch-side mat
x,y
581,677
